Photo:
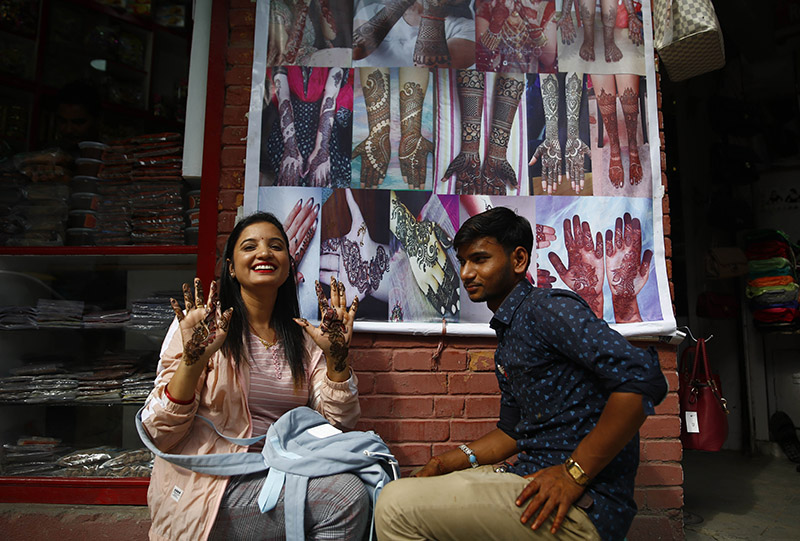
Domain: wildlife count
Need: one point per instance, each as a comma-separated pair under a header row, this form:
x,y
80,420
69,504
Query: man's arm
x,y
494,447
553,489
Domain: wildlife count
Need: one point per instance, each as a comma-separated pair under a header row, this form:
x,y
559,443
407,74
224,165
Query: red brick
x,y
235,115
239,75
661,426
672,379
240,55
474,383
233,156
234,135
448,407
241,37
402,342
481,360
413,359
413,384
229,199
663,497
670,405
405,431
241,17
667,225
453,360
245,4
225,221
661,450
232,178
653,474
373,360
412,454
470,430
362,340
238,95
375,406
482,406
660,527
410,407
667,358
366,384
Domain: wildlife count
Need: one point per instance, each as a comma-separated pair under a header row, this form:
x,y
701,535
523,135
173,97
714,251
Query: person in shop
x,y
77,116
573,396
242,357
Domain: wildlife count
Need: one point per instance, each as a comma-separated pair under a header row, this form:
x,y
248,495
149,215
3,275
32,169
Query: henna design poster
x,y
377,127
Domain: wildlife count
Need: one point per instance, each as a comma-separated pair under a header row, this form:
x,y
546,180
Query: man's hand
x,y
551,489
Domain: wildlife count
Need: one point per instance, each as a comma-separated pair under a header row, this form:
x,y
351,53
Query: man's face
x,y
74,124
488,272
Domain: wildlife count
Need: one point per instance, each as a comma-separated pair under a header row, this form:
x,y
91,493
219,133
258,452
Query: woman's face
x,y
260,257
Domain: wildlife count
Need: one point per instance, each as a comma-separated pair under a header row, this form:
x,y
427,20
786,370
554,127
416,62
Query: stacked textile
x,y
772,286
149,167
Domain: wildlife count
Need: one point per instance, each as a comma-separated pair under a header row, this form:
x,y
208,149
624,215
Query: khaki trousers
x,y
472,504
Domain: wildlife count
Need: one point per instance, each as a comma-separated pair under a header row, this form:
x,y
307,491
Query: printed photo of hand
x,y
358,262
301,226
424,243
544,235
585,274
627,268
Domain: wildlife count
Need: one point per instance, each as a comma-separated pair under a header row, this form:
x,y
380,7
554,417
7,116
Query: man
x,y
573,396
77,116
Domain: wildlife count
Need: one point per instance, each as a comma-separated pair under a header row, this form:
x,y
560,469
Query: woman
x,y
242,366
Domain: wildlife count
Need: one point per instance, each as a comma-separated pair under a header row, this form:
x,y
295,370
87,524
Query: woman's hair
x,y
286,305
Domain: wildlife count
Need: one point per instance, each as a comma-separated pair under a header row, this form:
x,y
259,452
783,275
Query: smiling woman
x,y
225,357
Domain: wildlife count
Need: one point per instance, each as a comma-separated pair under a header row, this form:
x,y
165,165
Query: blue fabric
x,y
557,364
292,454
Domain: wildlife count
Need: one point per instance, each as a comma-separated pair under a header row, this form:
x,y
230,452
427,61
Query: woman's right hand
x,y
203,328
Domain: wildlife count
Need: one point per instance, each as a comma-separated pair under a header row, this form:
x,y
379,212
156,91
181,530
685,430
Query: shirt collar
x,y
510,304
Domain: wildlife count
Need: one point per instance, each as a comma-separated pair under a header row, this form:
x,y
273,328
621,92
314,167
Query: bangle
x,y
439,465
175,400
473,460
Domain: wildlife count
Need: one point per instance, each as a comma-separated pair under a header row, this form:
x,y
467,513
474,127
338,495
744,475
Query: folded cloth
x,y
766,281
776,315
763,296
773,266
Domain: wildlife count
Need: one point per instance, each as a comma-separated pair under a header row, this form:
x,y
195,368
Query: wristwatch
x,y
576,472
473,460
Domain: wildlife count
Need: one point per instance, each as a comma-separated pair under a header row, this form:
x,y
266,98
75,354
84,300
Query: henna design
x,y
333,326
497,172
635,27
466,166
513,39
364,275
375,150
301,249
414,148
587,18
550,149
296,36
369,36
430,49
319,166
188,298
584,274
607,103
627,268
630,110
609,16
291,161
575,149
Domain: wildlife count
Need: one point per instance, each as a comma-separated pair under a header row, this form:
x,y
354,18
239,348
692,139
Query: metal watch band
x,y
473,460
576,472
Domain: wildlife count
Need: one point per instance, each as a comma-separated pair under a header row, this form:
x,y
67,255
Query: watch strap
x,y
473,460
576,472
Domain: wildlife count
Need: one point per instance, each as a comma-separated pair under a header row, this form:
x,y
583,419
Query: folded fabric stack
x,y
772,286
153,313
150,168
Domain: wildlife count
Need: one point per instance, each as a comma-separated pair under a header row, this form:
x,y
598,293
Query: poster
x,y
377,127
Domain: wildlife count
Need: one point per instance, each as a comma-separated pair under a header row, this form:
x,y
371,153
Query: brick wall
x,y
421,406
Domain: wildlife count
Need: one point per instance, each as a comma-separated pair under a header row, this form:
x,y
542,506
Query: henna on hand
x,y
333,326
375,150
319,163
544,236
576,150
550,149
365,276
414,148
292,161
430,49
497,172
467,165
203,333
369,36
586,266
627,268
565,25
635,27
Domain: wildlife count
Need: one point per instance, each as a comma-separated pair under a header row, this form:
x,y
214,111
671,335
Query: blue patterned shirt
x,y
557,364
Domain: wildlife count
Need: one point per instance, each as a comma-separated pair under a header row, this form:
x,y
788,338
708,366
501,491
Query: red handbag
x,y
704,412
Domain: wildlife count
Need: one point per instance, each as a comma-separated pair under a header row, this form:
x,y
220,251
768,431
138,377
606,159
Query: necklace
x,y
275,362
266,344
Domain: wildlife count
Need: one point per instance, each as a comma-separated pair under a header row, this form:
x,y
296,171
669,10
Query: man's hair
x,y
501,223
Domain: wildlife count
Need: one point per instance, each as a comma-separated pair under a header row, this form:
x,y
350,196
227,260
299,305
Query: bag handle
x,y
706,378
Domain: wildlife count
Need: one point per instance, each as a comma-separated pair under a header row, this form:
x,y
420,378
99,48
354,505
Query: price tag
x,y
692,426
324,431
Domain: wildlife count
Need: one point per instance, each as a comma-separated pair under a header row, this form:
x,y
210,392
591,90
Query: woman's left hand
x,y
335,330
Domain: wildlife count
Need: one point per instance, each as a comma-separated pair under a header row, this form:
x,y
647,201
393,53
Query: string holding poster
x,y
377,127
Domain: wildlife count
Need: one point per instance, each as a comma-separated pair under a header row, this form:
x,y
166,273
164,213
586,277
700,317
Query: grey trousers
x,y
337,509
469,504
